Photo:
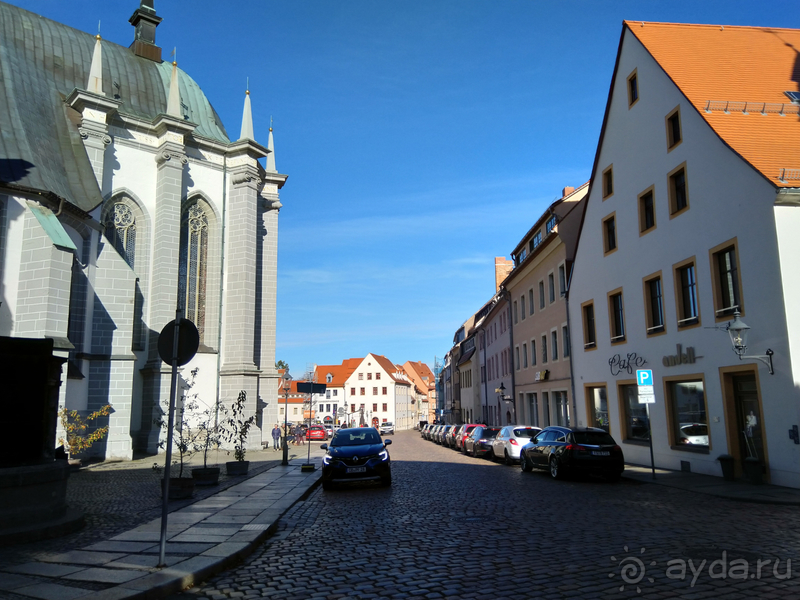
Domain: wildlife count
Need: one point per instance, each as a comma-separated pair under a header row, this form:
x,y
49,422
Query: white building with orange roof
x,y
692,219
329,408
378,391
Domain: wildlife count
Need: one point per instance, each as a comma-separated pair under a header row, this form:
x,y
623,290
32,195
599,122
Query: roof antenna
x,y
722,27
642,23
98,28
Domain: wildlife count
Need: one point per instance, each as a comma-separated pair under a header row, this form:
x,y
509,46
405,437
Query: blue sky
x,y
422,138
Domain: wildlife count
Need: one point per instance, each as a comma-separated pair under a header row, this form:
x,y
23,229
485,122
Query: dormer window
x,y
328,378
551,223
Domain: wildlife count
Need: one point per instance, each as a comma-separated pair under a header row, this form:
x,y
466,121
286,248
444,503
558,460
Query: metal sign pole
x,y
650,439
170,426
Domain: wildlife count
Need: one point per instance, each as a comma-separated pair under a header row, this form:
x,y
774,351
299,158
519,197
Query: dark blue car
x,y
356,454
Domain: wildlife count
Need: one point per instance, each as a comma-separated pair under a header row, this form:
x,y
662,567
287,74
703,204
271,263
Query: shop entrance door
x,y
748,418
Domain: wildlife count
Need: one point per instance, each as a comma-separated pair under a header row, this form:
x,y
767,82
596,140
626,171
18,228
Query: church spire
x,y
247,118
271,147
95,84
145,21
174,100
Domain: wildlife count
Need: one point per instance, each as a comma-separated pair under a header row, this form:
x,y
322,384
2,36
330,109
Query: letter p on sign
x,y
644,377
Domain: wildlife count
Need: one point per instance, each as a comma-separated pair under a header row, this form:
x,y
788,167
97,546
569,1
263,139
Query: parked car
x,y
329,430
316,432
462,433
425,430
387,428
356,454
450,436
563,450
479,442
510,440
441,433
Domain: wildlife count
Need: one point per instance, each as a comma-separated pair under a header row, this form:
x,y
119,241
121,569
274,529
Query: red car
x,y
316,432
463,433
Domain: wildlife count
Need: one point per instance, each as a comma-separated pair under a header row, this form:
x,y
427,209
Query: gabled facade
x,y
422,377
377,391
327,406
692,216
536,292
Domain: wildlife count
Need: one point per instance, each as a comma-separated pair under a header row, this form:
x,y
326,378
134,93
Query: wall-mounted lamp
x,y
738,331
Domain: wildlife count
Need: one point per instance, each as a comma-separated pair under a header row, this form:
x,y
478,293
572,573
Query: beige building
x,y
536,291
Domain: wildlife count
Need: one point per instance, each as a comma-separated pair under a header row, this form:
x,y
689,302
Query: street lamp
x,y
287,386
501,395
738,331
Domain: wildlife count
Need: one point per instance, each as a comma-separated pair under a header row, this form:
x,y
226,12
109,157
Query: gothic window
x,y
121,231
193,266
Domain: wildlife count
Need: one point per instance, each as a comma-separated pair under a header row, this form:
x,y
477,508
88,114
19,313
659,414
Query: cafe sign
x,y
680,358
541,375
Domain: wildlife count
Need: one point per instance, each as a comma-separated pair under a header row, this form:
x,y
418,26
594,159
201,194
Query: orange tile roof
x,y
756,65
340,373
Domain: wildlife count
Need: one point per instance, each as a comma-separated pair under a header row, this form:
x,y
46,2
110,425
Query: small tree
x,y
236,428
75,428
209,431
184,435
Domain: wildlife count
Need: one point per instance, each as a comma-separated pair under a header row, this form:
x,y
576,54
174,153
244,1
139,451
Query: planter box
x,y
179,488
237,468
205,475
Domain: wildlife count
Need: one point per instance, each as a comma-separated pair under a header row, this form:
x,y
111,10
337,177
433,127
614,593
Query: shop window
x,y
562,408
545,409
636,425
687,412
533,409
597,404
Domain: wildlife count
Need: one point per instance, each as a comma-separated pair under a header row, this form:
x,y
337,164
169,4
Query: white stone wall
x,y
727,199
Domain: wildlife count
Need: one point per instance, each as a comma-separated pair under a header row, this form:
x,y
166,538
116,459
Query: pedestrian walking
x,y
296,435
276,438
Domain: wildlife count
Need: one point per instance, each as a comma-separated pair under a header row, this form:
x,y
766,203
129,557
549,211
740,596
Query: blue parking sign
x,y
644,377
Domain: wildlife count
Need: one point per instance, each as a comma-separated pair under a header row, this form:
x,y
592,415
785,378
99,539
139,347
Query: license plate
x,y
356,469
601,453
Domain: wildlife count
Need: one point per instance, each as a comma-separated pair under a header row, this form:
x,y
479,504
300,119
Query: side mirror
x,y
387,442
323,446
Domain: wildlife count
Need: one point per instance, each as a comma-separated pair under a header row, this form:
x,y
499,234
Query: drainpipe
x,y
507,296
571,372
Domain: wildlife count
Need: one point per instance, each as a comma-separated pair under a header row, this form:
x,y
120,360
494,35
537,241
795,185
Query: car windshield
x,y
522,432
593,438
356,437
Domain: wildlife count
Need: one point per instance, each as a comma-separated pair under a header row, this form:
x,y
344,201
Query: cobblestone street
x,y
456,527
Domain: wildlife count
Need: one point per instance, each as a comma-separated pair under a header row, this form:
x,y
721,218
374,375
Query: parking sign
x,y
644,377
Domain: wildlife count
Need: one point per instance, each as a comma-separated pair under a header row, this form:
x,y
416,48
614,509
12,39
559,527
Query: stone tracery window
x,y
120,229
193,266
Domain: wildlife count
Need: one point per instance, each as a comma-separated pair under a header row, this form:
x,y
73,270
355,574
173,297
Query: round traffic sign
x,y
188,342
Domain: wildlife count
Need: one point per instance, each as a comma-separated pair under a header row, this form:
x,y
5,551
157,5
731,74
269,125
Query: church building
x,y
122,201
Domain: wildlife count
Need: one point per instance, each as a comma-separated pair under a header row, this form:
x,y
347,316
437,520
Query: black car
x,y
479,442
356,454
563,450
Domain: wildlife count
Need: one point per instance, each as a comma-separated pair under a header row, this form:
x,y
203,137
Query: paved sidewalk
x,y
204,537
715,486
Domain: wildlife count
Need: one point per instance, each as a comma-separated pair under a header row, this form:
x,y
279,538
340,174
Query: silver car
x,y
510,441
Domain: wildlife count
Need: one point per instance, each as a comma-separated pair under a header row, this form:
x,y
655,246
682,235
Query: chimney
x,y
145,21
502,268
567,191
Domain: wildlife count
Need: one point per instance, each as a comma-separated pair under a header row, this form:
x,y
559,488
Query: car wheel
x,y
523,463
509,462
556,471
474,453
